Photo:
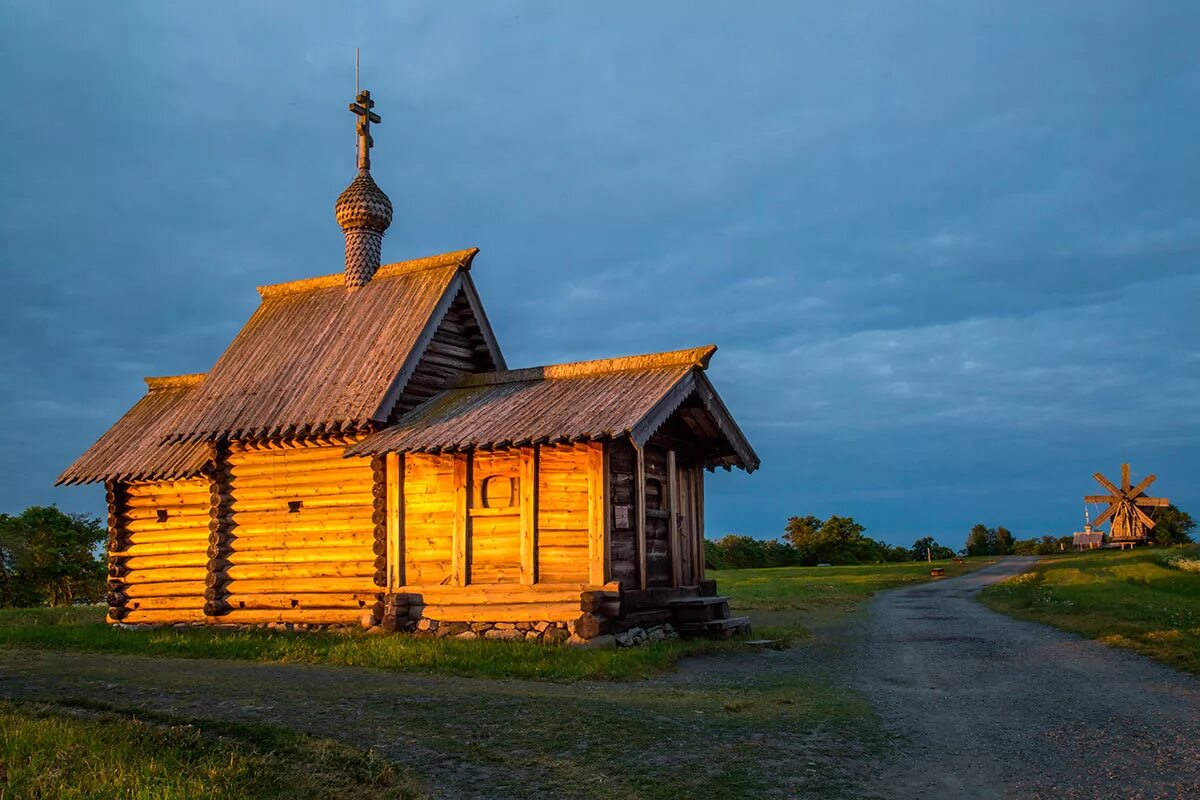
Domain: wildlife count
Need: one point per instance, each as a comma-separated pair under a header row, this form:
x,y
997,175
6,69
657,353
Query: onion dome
x,y
363,205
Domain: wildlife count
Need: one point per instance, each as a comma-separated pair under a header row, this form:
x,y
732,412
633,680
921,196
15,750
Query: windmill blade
x,y
1156,502
1143,516
1141,487
1101,498
1108,512
1125,478
1107,484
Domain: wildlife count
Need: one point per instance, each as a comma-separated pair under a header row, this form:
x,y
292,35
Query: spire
x,y
363,211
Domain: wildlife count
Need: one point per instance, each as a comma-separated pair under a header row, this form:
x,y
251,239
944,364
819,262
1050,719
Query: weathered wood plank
x,y
462,522
639,490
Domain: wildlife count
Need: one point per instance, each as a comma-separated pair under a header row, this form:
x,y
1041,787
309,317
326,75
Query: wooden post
x,y
698,539
462,521
528,481
597,503
395,521
673,544
639,494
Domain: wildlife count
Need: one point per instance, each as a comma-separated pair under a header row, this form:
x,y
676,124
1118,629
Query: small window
x,y
498,491
654,494
162,515
294,506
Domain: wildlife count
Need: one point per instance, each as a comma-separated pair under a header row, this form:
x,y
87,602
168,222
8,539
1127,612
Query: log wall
x,y
302,536
158,551
562,514
428,505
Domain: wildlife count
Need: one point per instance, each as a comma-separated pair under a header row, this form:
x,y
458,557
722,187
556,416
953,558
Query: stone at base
x,y
509,635
602,642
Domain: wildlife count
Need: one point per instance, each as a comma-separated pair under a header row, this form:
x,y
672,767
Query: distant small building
x,y
1088,539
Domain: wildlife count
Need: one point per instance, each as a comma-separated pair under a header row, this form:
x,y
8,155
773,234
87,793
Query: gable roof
x,y
589,400
315,359
133,449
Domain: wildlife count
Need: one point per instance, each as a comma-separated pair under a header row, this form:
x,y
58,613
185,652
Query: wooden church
x,y
361,453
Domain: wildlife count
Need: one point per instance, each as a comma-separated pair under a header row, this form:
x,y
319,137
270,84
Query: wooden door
x,y
685,548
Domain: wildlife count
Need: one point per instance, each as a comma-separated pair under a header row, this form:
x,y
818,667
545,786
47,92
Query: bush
x,y
49,558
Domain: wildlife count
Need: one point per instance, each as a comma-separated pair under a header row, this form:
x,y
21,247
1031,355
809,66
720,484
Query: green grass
x,y
83,628
784,591
826,588
78,754
1134,599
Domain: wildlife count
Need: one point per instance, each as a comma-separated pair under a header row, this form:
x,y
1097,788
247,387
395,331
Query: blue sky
x,y
949,250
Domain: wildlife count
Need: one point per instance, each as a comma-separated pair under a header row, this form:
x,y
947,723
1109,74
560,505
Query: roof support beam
x,y
639,494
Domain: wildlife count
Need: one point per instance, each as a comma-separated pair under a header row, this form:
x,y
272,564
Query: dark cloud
x,y
949,252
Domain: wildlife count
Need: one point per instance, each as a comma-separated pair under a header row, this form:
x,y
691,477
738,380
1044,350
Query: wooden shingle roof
x,y
583,401
315,359
133,449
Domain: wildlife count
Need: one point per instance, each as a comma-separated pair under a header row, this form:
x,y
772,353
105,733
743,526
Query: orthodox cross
x,y
361,107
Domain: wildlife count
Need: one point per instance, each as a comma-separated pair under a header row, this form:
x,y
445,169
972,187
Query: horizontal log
x,y
310,555
289,468
348,616
352,475
278,501
354,569
537,593
304,526
561,538
190,522
499,612
165,488
199,534
357,586
165,589
164,616
243,543
326,600
192,602
164,575
196,545
138,563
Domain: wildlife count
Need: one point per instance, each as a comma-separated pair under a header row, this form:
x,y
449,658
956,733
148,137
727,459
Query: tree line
x,y
1172,526
50,558
809,541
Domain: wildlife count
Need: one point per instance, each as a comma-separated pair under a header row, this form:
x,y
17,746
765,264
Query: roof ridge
x,y
159,382
456,258
691,357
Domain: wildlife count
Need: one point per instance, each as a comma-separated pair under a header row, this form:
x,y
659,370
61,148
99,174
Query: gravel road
x,y
988,706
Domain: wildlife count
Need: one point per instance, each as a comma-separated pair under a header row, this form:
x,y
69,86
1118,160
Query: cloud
x,y
949,256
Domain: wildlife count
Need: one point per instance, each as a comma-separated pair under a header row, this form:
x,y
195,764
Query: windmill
x,y
1130,523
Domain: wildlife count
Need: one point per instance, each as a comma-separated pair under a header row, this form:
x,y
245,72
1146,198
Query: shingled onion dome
x,y
363,211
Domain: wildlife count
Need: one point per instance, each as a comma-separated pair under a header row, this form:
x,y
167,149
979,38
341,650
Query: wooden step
x,y
699,609
717,628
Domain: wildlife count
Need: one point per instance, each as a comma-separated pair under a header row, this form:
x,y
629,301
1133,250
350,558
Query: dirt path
x,y
989,706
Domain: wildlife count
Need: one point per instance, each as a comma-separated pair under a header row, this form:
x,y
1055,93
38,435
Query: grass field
x,y
720,722
82,754
83,628
1145,600
779,601
826,588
